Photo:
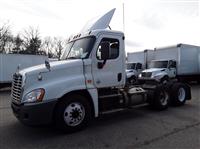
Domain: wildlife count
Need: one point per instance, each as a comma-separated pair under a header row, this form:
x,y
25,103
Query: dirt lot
x,y
141,127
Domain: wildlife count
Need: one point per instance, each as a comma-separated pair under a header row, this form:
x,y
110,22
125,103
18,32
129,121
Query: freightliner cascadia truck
x,y
89,80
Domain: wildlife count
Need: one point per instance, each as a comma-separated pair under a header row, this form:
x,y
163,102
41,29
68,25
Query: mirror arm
x,y
101,64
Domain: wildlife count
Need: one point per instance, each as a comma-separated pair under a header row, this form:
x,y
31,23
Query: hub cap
x,y
181,94
74,114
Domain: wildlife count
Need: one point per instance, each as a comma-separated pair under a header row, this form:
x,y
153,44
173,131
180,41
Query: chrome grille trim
x,y
16,88
146,74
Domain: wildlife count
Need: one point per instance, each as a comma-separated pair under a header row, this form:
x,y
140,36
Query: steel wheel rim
x,y
181,94
164,98
74,114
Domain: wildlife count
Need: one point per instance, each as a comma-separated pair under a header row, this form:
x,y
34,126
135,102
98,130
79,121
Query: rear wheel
x,y
72,113
179,94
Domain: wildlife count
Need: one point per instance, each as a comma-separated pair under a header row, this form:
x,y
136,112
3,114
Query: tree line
x,y
30,42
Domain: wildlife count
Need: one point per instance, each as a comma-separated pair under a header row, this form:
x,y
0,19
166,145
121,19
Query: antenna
x,y
123,18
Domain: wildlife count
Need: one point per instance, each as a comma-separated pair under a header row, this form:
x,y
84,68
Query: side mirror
x,y
105,50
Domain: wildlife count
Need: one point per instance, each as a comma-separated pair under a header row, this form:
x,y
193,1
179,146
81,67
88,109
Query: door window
x,y
114,48
139,66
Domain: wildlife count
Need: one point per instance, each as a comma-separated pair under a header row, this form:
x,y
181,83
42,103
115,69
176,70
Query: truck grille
x,y
146,74
16,88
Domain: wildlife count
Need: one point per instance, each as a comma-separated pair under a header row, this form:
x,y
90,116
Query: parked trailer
x,y
9,63
87,82
181,61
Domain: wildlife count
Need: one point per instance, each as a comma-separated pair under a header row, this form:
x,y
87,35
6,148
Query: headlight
x,y
140,75
35,95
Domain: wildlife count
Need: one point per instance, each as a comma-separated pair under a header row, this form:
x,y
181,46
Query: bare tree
x,y
32,41
5,38
59,46
17,44
48,46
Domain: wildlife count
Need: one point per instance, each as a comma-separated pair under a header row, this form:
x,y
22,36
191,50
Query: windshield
x,y
80,48
158,64
130,65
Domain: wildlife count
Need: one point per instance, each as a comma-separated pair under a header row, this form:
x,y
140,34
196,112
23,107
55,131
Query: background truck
x,y
132,72
9,64
181,61
89,80
136,62
143,57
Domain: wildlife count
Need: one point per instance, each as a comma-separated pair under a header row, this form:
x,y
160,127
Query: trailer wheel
x,y
73,113
179,94
160,98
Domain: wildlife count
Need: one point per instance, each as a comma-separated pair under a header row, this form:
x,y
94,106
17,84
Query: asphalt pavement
x,y
140,127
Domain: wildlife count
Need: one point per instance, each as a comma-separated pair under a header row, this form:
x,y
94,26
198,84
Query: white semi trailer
x,y
9,63
181,61
89,80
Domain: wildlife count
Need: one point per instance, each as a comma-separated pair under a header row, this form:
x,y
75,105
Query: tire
x,y
179,94
132,80
164,80
73,113
159,100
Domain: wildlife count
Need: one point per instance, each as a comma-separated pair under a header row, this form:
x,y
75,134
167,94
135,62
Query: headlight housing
x,y
34,96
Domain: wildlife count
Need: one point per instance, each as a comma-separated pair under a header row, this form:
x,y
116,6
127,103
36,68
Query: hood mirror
x,y
47,64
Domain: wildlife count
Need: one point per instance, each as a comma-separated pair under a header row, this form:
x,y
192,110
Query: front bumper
x,y
148,80
34,113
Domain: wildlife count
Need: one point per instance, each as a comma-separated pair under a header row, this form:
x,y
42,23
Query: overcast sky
x,y
148,23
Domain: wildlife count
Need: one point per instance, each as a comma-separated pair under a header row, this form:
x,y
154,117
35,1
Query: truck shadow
x,y
107,123
104,120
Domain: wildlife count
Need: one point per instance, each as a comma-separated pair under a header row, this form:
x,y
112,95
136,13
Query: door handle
x,y
119,77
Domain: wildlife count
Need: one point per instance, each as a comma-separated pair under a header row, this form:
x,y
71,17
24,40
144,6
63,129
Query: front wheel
x,y
164,80
132,80
160,99
72,113
179,94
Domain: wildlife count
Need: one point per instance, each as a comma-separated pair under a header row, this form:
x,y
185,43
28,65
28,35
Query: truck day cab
x,y
181,61
132,72
89,80
136,62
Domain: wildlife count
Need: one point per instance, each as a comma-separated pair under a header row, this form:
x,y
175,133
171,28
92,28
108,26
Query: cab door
x,y
172,69
109,73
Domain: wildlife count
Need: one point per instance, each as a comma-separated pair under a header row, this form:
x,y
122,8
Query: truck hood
x,y
56,65
130,70
154,70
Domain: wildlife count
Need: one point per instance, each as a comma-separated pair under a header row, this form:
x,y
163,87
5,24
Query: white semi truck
x,y
89,80
181,61
9,63
136,62
132,72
